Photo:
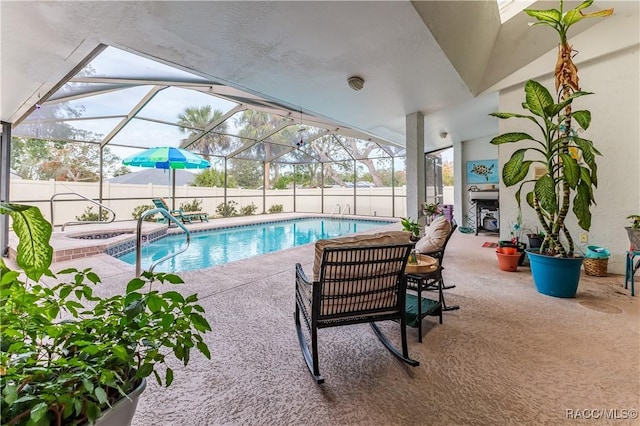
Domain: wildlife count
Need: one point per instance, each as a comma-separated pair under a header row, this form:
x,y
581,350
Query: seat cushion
x,y
434,235
381,239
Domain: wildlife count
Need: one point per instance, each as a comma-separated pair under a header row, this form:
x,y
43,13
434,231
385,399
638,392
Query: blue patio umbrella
x,y
167,157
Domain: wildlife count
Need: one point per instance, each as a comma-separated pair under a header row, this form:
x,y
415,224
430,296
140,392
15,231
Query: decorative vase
x,y
555,276
634,238
121,413
508,258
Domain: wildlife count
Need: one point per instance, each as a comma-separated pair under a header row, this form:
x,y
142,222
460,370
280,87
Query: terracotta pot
x,y
507,262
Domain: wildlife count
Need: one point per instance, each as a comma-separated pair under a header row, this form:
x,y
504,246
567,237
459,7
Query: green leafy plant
x,y
193,206
568,162
138,210
227,210
276,208
409,225
90,216
635,221
248,210
67,354
432,209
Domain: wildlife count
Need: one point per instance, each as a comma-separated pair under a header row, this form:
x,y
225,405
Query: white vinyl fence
x,y
124,198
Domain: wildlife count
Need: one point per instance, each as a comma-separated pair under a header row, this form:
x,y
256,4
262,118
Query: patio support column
x,y
322,188
294,188
264,187
355,185
415,159
225,188
5,173
393,187
100,181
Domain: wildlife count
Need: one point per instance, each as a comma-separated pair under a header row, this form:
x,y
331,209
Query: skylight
x,y
510,8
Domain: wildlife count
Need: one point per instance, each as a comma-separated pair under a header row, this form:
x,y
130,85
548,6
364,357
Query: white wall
x,y
615,131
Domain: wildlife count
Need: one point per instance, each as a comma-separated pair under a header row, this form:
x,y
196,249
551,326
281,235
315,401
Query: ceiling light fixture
x,y
443,135
355,82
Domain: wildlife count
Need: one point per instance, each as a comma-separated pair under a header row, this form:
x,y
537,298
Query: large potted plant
x,y
70,356
568,162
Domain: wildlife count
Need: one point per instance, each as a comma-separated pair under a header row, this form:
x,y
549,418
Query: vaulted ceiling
x,y
443,58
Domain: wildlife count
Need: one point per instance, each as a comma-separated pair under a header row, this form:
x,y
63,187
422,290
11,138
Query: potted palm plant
x,y
568,162
72,357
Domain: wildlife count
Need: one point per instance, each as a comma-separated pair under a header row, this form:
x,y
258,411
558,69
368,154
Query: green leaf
x,y
581,203
88,385
174,296
155,302
134,308
169,378
38,411
101,395
9,277
516,169
173,279
200,323
583,118
144,370
537,98
34,232
571,170
93,277
120,352
92,411
10,393
545,193
204,349
551,16
510,137
505,115
135,284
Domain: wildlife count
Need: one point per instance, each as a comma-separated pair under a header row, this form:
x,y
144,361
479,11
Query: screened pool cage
x,y
265,156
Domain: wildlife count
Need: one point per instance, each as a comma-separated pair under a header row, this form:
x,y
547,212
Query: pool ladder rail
x,y
81,222
341,210
170,218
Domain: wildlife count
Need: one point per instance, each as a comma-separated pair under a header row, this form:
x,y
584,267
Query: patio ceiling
x,y
444,59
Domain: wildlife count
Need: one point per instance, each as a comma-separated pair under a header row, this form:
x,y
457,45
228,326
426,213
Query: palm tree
x,y
194,120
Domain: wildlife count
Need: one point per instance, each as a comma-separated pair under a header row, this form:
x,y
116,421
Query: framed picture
x,y
482,171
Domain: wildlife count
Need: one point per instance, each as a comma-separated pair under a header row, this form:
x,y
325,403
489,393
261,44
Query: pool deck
x,y
69,245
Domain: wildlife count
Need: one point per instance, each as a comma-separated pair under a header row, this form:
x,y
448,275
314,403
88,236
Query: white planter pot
x,y
121,413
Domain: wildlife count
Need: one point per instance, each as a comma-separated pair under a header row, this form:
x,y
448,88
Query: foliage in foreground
x,y
67,353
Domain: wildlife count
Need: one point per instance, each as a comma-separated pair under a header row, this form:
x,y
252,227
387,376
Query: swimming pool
x,y
219,246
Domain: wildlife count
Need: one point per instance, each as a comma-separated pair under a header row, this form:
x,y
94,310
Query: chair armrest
x,y
301,275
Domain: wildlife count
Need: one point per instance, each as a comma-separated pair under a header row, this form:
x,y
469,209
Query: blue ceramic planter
x,y
555,276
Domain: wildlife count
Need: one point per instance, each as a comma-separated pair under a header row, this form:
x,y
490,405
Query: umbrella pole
x,y
173,189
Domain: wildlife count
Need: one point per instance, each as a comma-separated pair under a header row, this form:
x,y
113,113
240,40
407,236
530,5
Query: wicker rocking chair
x,y
352,285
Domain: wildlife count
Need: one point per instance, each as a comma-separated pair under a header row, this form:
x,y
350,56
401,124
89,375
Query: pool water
x,y
216,247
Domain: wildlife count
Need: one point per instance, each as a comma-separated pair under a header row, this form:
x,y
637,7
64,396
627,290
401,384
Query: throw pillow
x,y
434,235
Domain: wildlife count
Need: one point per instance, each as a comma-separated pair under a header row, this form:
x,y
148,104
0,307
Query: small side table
x,y
419,307
630,269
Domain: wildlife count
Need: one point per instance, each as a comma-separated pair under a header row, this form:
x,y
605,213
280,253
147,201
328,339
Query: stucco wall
x,y
615,108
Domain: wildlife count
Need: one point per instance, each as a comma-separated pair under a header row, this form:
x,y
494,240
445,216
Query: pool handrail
x,y
170,218
346,207
81,222
334,210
